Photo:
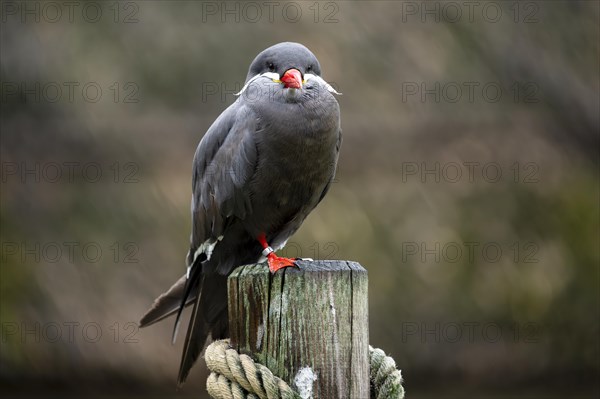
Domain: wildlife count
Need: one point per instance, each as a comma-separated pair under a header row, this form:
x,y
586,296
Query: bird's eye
x,y
271,66
309,69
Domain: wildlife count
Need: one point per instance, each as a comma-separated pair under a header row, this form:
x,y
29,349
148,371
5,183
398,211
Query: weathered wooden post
x,y
308,325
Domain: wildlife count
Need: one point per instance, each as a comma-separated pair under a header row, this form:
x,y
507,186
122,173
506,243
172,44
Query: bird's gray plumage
x,y
262,167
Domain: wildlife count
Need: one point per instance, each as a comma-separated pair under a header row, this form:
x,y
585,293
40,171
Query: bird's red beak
x,y
292,79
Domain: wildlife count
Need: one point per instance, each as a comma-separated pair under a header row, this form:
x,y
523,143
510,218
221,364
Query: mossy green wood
x,y
313,316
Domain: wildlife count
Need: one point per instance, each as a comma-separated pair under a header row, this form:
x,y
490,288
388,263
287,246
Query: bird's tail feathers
x,y
209,317
192,283
168,303
196,336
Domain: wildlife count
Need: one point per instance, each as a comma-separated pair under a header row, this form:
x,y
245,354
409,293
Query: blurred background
x,y
467,184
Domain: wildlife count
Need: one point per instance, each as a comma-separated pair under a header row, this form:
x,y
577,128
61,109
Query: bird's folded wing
x,y
224,163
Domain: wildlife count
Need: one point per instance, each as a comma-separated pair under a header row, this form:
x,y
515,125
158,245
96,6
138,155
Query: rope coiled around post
x,y
237,376
386,379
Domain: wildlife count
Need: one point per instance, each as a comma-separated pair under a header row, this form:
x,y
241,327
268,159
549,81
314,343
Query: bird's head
x,y
289,65
286,63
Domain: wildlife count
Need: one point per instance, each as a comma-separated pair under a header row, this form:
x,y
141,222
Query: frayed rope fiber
x,y
237,376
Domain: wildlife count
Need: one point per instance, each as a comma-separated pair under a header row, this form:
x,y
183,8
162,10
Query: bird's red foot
x,y
277,262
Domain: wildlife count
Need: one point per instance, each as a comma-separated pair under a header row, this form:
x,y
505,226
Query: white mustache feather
x,y
276,78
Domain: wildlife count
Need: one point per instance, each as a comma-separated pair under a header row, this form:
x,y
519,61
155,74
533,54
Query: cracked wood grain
x,y
313,316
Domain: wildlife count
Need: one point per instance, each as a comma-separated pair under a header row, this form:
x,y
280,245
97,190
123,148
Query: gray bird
x,y
259,170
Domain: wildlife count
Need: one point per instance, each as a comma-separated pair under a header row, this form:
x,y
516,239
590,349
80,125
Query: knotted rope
x,y
237,376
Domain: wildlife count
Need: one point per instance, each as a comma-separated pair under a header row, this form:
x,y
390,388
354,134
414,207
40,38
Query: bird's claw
x,y
277,262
